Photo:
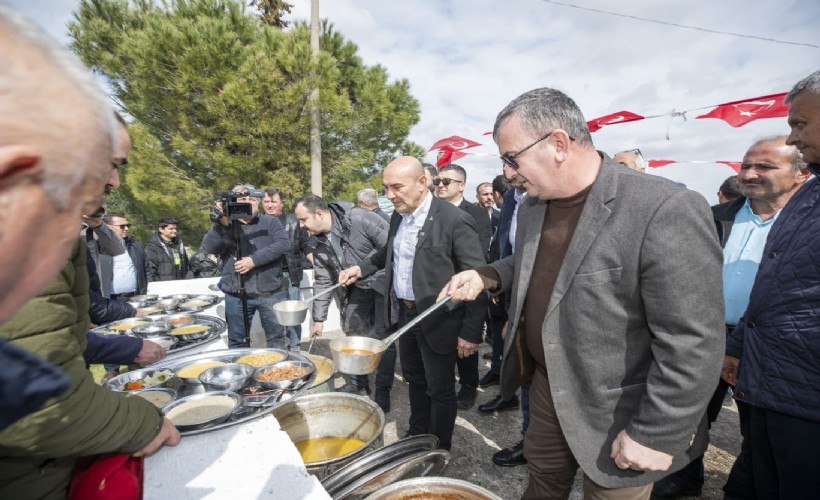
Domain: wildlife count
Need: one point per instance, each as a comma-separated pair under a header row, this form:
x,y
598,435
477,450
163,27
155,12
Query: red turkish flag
x,y
660,163
619,117
448,155
739,113
454,142
734,164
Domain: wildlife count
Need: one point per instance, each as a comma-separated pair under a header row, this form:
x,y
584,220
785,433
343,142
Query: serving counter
x,y
253,460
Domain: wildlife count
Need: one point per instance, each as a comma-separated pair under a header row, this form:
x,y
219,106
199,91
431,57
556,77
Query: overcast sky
x,y
466,59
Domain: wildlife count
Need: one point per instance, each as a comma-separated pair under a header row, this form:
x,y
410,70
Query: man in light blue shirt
x,y
770,174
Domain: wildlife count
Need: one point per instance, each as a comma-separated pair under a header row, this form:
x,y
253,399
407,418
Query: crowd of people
x,y
619,305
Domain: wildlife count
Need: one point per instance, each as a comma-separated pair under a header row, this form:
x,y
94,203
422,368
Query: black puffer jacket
x,y
159,259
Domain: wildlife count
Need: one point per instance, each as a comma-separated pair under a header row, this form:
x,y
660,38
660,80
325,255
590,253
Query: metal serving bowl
x,y
159,396
230,377
174,409
177,332
167,303
288,383
179,319
165,341
152,329
290,312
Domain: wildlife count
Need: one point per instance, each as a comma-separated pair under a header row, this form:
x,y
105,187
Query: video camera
x,y
232,209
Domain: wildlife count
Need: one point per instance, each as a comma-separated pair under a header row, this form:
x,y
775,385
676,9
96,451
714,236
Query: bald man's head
x,y
405,183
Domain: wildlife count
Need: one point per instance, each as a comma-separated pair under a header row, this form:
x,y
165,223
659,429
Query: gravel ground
x,y
478,436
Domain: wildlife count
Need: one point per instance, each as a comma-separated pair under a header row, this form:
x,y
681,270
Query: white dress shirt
x,y
404,248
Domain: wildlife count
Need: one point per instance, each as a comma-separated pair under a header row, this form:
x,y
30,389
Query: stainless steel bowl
x,y
179,319
177,332
357,355
165,341
290,312
284,384
167,303
180,408
159,396
230,377
152,329
433,487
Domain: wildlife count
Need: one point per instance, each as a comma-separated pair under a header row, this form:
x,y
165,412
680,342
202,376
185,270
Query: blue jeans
x,y
274,332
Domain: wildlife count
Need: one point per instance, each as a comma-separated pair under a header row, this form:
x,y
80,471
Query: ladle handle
x,y
389,340
324,292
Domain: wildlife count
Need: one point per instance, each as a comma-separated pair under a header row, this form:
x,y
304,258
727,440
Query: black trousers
x,y
431,380
778,457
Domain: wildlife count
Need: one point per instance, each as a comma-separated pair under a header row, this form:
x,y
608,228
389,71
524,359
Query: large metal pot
x,y
433,487
332,414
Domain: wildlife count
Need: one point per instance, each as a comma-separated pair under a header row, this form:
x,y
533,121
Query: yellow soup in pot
x,y
326,448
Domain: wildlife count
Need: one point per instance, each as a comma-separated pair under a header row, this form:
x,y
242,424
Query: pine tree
x,y
219,98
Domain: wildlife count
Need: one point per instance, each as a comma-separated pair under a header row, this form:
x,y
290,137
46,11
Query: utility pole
x,y
315,118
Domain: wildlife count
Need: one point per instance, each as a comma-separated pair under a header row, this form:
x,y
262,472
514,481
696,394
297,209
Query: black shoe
x,y
489,379
510,457
350,387
687,482
466,397
382,398
499,404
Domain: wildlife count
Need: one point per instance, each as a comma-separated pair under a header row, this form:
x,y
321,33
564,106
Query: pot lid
x,y
380,457
419,464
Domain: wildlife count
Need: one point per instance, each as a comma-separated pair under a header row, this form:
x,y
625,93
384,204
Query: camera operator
x,y
257,273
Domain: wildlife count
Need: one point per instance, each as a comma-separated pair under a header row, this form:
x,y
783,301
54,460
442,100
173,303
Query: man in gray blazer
x,y
616,311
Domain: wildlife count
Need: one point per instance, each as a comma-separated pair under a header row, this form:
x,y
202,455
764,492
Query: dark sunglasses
x,y
446,182
123,226
509,160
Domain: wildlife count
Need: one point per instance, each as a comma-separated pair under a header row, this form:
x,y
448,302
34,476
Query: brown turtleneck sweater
x,y
560,221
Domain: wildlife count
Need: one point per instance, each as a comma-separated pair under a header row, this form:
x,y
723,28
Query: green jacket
x,y
38,451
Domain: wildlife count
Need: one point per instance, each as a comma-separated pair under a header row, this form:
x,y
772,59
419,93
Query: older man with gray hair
x,y
57,136
369,200
616,312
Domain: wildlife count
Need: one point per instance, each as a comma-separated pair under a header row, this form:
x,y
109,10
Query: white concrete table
x,y
248,461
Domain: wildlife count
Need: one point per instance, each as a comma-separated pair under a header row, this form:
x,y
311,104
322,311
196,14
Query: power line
x,y
680,25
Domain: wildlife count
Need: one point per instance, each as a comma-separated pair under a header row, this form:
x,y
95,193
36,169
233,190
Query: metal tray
x,y
217,327
243,413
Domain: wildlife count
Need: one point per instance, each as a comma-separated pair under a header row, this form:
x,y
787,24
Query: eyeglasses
x,y
123,226
446,182
509,160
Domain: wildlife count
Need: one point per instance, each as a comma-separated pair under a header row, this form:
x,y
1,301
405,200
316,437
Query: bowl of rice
x,y
284,375
202,410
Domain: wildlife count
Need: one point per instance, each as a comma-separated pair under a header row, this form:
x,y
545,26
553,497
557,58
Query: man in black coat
x,y
450,187
429,241
165,255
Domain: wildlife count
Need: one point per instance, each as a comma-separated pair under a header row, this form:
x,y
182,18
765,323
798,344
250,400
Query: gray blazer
x,y
634,334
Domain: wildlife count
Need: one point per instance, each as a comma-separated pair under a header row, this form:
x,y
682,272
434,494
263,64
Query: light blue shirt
x,y
741,258
125,275
404,248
